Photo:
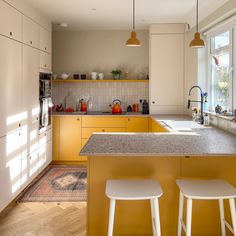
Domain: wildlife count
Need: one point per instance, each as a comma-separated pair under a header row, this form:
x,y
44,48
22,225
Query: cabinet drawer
x,y
45,61
45,40
137,124
30,32
87,132
97,122
10,22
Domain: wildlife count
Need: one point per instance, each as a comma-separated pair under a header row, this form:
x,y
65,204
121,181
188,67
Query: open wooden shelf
x,y
96,81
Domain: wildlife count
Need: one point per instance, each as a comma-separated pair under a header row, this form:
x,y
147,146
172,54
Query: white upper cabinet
x,y
10,85
45,61
167,71
30,32
10,22
45,40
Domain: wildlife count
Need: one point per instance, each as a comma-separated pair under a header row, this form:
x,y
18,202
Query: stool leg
x,y
222,217
181,208
153,216
157,216
111,216
189,217
233,214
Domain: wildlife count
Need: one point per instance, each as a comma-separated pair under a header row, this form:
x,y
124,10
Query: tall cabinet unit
x,y
23,154
167,68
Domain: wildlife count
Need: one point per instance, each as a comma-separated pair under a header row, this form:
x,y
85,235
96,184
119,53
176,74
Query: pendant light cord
x,y
197,16
133,14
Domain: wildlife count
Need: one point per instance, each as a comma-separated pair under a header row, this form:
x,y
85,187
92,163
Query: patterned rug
x,y
59,184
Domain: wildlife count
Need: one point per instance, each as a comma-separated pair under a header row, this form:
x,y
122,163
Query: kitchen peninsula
x,y
188,150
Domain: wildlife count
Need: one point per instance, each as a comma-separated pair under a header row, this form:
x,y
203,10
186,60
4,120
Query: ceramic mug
x,y
100,76
94,75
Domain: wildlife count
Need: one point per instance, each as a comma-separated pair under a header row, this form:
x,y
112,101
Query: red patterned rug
x,y
59,184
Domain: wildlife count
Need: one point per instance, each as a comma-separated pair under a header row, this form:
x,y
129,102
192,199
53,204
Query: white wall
x,y
86,51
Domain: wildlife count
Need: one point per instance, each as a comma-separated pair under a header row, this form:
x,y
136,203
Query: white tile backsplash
x,y
102,94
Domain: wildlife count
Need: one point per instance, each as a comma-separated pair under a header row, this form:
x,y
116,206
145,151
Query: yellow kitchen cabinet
x,y
87,132
83,142
70,138
137,124
55,137
155,126
103,121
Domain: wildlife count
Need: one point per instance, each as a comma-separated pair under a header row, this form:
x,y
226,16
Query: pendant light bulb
x,y
197,42
133,41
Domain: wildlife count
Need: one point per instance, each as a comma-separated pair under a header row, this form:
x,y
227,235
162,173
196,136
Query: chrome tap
x,y
202,99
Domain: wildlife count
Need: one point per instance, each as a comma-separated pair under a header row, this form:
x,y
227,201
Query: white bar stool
x,y
216,189
134,190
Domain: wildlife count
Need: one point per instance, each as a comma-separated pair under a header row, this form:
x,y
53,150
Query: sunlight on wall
x,y
16,118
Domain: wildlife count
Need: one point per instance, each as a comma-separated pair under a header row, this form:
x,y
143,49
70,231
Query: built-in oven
x,y
45,98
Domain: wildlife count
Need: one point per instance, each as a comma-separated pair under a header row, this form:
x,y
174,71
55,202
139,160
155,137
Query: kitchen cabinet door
x,y
10,167
45,61
10,85
70,138
45,40
137,124
10,21
55,137
30,32
98,121
30,99
29,169
167,73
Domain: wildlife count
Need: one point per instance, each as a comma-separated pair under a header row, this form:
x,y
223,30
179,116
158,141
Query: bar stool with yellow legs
x,y
216,189
134,190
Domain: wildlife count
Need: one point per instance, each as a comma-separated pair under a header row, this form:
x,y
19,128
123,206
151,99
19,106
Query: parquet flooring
x,y
44,219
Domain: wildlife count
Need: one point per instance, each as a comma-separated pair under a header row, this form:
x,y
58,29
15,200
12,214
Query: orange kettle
x,y
116,107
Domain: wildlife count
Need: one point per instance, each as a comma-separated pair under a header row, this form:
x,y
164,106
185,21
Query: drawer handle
x,y
45,134
11,33
45,48
103,130
128,119
78,119
31,42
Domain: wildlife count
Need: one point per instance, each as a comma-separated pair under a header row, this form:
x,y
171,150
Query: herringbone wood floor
x,y
44,219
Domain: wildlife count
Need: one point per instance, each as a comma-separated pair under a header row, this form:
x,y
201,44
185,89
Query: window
x,y
221,76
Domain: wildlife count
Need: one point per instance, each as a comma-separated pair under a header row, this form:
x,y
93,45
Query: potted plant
x,y
116,74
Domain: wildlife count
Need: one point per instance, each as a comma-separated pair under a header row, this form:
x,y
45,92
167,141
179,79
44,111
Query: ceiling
x,y
117,14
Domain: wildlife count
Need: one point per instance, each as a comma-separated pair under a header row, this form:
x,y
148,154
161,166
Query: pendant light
x,y
197,42
133,41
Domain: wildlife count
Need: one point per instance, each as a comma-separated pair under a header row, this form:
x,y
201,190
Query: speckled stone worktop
x,y
186,138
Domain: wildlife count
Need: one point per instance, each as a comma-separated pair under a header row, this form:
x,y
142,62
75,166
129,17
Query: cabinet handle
x,y
128,119
31,42
45,134
11,33
37,118
103,130
45,65
19,124
30,157
45,48
78,119
153,102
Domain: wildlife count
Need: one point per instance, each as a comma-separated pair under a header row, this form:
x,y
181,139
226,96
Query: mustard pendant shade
x,y
197,42
133,41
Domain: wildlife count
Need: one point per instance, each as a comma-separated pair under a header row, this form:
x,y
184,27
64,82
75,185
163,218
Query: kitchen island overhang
x,y
132,156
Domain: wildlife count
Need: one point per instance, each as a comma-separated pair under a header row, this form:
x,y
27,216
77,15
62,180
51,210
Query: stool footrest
x,y
229,226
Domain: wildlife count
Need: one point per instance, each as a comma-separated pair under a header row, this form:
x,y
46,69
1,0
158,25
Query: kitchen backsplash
x,y
102,94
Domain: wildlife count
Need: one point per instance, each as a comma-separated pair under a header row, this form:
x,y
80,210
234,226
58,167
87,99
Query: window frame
x,y
210,52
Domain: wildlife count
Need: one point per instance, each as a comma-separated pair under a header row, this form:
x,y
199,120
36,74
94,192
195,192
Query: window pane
x,y
221,84
220,40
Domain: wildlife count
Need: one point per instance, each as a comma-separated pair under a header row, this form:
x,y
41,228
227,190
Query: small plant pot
x,y
116,76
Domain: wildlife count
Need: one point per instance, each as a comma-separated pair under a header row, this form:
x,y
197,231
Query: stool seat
x,y
133,189
206,189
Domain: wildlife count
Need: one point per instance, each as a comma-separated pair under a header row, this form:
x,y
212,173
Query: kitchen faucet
x,y
202,97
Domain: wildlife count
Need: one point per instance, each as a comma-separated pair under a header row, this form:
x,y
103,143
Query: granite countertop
x,y
98,113
185,138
